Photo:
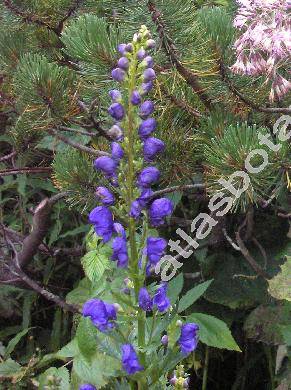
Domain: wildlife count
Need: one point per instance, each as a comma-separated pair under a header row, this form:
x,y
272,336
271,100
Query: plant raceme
x,y
130,172
265,44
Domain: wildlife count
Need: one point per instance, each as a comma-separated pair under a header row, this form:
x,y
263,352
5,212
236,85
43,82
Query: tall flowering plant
x,y
264,46
146,356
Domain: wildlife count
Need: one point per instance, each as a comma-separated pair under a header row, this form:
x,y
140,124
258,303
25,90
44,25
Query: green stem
x,y
205,370
130,191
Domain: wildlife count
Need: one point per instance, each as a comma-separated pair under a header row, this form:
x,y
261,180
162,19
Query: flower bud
x,y
116,110
141,54
148,62
165,340
115,95
115,132
117,307
173,381
123,63
105,196
116,151
135,98
146,109
146,87
122,48
118,74
179,323
150,44
149,75
129,48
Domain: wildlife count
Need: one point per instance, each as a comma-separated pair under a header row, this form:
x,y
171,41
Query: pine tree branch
x,y
182,104
71,11
171,51
254,106
26,17
75,131
76,145
185,187
29,170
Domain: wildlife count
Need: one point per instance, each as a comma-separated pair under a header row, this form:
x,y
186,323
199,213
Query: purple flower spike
x,y
119,229
148,176
146,109
123,63
141,54
118,74
148,62
152,146
159,210
145,300
106,164
106,197
120,253
160,298
146,87
116,110
102,219
87,386
155,249
115,95
116,151
147,127
135,98
130,361
189,338
135,209
102,314
149,75
122,48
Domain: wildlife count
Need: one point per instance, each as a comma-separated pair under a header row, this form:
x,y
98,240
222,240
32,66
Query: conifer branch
x,y
177,188
74,7
75,131
182,104
171,51
76,145
26,17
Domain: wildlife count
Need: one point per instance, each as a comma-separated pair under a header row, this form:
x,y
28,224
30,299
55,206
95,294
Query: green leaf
x,y
95,264
192,295
214,332
55,378
280,285
13,342
86,338
175,287
9,368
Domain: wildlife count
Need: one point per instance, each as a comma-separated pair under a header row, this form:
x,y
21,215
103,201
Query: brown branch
x,y
8,156
71,11
76,131
245,100
19,171
245,252
185,187
76,145
171,51
181,104
45,293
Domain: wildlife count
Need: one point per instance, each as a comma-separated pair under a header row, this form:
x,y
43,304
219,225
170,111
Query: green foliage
x,y
44,88
74,172
89,40
214,332
193,295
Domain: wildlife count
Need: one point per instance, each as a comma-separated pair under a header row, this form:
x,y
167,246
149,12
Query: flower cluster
x,y
130,180
265,43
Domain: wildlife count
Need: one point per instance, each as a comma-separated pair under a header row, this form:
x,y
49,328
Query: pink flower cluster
x,y
265,44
